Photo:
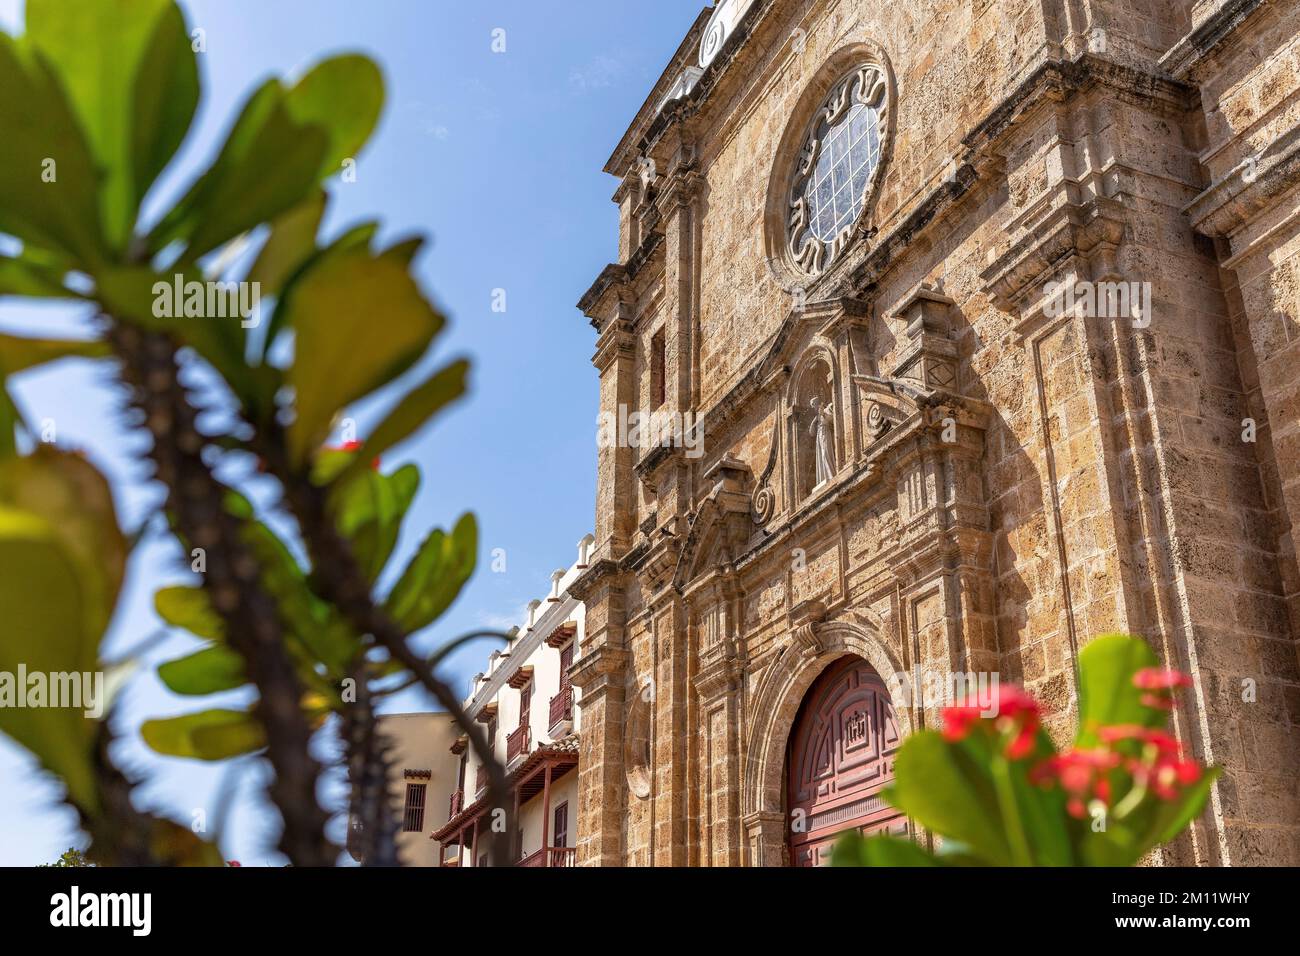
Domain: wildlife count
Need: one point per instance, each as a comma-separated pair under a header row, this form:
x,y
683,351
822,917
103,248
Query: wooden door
x,y
561,826
840,755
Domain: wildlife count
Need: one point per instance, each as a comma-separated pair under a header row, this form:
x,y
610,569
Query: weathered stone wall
x,y
1038,478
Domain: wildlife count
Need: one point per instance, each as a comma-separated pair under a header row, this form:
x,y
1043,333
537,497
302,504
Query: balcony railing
x,y
552,856
561,707
457,804
517,743
480,780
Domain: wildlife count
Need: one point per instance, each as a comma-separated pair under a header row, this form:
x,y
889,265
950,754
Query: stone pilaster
x,y
718,683
600,673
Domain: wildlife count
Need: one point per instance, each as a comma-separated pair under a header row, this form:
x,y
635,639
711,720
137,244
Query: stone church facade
x,y
981,317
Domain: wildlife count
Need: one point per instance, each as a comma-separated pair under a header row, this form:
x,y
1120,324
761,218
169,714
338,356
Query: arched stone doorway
x,y
776,704
839,757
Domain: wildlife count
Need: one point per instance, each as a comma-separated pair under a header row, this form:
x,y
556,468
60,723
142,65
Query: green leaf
x,y
413,411
435,576
69,493
49,184
42,607
189,608
944,789
132,78
1107,696
343,353
368,509
1175,814
62,561
344,95
22,277
10,419
1042,810
267,166
359,237
216,734
329,464
165,98
211,670
852,849
17,354
291,243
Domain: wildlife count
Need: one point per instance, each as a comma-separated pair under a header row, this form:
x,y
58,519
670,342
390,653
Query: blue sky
x,y
497,157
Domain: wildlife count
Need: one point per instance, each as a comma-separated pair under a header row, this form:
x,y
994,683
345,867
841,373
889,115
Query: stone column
x,y
600,673
669,840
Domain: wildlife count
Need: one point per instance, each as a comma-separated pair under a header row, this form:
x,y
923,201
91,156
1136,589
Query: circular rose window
x,y
836,169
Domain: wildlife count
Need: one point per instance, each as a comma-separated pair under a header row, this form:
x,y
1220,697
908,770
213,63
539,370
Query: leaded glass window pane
x,y
836,188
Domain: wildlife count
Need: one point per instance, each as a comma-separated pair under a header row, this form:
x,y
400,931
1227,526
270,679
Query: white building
x,y
423,771
528,707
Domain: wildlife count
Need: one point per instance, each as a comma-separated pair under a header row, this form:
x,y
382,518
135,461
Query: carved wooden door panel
x,y
840,755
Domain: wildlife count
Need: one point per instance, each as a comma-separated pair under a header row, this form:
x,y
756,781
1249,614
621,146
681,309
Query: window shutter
x,y
413,818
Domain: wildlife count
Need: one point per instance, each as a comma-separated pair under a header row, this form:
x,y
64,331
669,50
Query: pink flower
x,y
1167,775
1154,678
1161,684
1081,774
1156,738
1012,713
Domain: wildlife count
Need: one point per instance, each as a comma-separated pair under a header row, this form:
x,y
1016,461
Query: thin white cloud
x,y
597,73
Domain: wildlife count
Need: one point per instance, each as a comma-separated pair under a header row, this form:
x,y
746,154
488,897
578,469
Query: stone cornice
x,y
610,279
1091,230
1249,189
1218,32
593,670
721,667
586,583
616,279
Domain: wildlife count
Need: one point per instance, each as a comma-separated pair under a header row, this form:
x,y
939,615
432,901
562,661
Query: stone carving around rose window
x,y
837,169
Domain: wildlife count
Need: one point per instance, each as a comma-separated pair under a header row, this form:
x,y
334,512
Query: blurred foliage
x,y
994,789
96,98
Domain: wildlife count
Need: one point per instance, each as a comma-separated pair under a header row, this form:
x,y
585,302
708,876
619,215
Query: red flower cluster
x,y
1081,774
1160,685
1011,713
1160,766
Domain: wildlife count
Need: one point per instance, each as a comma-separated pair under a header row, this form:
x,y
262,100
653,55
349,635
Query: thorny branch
x,y
339,580
369,767
195,501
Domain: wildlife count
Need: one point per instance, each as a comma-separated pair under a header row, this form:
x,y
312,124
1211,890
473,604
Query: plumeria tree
x,y
997,792
96,97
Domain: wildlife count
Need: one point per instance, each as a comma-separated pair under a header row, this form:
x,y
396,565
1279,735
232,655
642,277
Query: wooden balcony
x,y
517,744
457,804
561,708
552,856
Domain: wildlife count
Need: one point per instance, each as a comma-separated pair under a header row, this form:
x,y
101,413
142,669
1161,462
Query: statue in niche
x,y
822,430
